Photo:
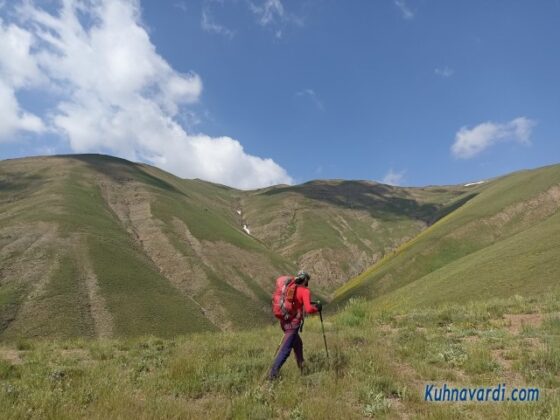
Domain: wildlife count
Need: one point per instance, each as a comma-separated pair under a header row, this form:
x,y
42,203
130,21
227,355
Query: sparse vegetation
x,y
118,276
378,368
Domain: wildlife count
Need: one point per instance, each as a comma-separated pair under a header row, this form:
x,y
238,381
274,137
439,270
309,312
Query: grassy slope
x,y
139,299
44,291
380,364
207,211
61,209
138,296
85,215
336,229
501,242
505,268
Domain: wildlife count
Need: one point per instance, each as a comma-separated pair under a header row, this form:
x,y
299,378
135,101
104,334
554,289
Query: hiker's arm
x,y
306,296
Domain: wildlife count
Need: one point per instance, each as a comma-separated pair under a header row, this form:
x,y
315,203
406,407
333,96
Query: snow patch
x,y
246,229
474,183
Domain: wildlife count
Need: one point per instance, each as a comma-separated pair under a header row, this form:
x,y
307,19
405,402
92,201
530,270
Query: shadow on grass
x,y
382,201
122,171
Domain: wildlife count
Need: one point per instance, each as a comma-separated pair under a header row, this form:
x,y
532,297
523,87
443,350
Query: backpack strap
x,y
287,314
294,297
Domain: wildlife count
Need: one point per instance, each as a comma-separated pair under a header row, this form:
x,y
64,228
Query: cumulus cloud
x,y
470,142
114,92
18,70
407,13
13,118
394,177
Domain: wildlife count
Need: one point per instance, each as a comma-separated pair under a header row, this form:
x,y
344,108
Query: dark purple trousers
x,y
291,340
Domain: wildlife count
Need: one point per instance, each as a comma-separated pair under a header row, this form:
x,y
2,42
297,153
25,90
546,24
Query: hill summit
x,y
97,246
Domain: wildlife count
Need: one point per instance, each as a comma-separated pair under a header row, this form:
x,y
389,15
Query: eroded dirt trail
x,y
102,319
131,204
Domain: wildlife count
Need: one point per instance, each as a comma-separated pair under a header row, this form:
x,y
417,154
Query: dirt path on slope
x,y
102,319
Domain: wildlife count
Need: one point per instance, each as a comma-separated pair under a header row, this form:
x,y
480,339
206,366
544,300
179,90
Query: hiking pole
x,y
274,357
323,329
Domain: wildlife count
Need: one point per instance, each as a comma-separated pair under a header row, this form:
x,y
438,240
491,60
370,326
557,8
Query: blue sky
x,y
256,92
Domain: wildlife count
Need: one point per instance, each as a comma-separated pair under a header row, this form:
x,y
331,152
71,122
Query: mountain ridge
x,y
97,246
522,204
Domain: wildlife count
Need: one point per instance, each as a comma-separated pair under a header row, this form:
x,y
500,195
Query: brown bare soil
x,y
515,322
10,355
188,268
103,322
131,204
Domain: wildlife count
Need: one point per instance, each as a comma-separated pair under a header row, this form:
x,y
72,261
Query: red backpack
x,y
284,297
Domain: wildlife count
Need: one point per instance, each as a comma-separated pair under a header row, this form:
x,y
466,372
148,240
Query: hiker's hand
x,y
317,304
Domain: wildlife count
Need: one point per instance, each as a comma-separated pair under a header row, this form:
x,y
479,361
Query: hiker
x,y
291,299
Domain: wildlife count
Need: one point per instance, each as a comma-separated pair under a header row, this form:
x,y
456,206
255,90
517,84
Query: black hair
x,y
303,278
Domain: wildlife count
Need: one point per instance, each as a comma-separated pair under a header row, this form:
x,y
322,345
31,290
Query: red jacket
x,y
301,302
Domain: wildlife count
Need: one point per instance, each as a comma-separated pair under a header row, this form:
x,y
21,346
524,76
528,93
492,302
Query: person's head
x,y
303,278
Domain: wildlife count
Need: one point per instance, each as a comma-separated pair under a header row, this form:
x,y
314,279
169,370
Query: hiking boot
x,y
303,369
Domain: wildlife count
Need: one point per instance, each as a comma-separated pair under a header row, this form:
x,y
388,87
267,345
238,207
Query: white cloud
x,y
117,95
13,118
18,70
17,67
209,25
268,12
407,13
471,142
393,177
272,13
310,93
444,72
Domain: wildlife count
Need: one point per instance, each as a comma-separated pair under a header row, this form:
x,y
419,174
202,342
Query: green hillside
x,y
504,241
131,273
337,229
96,246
